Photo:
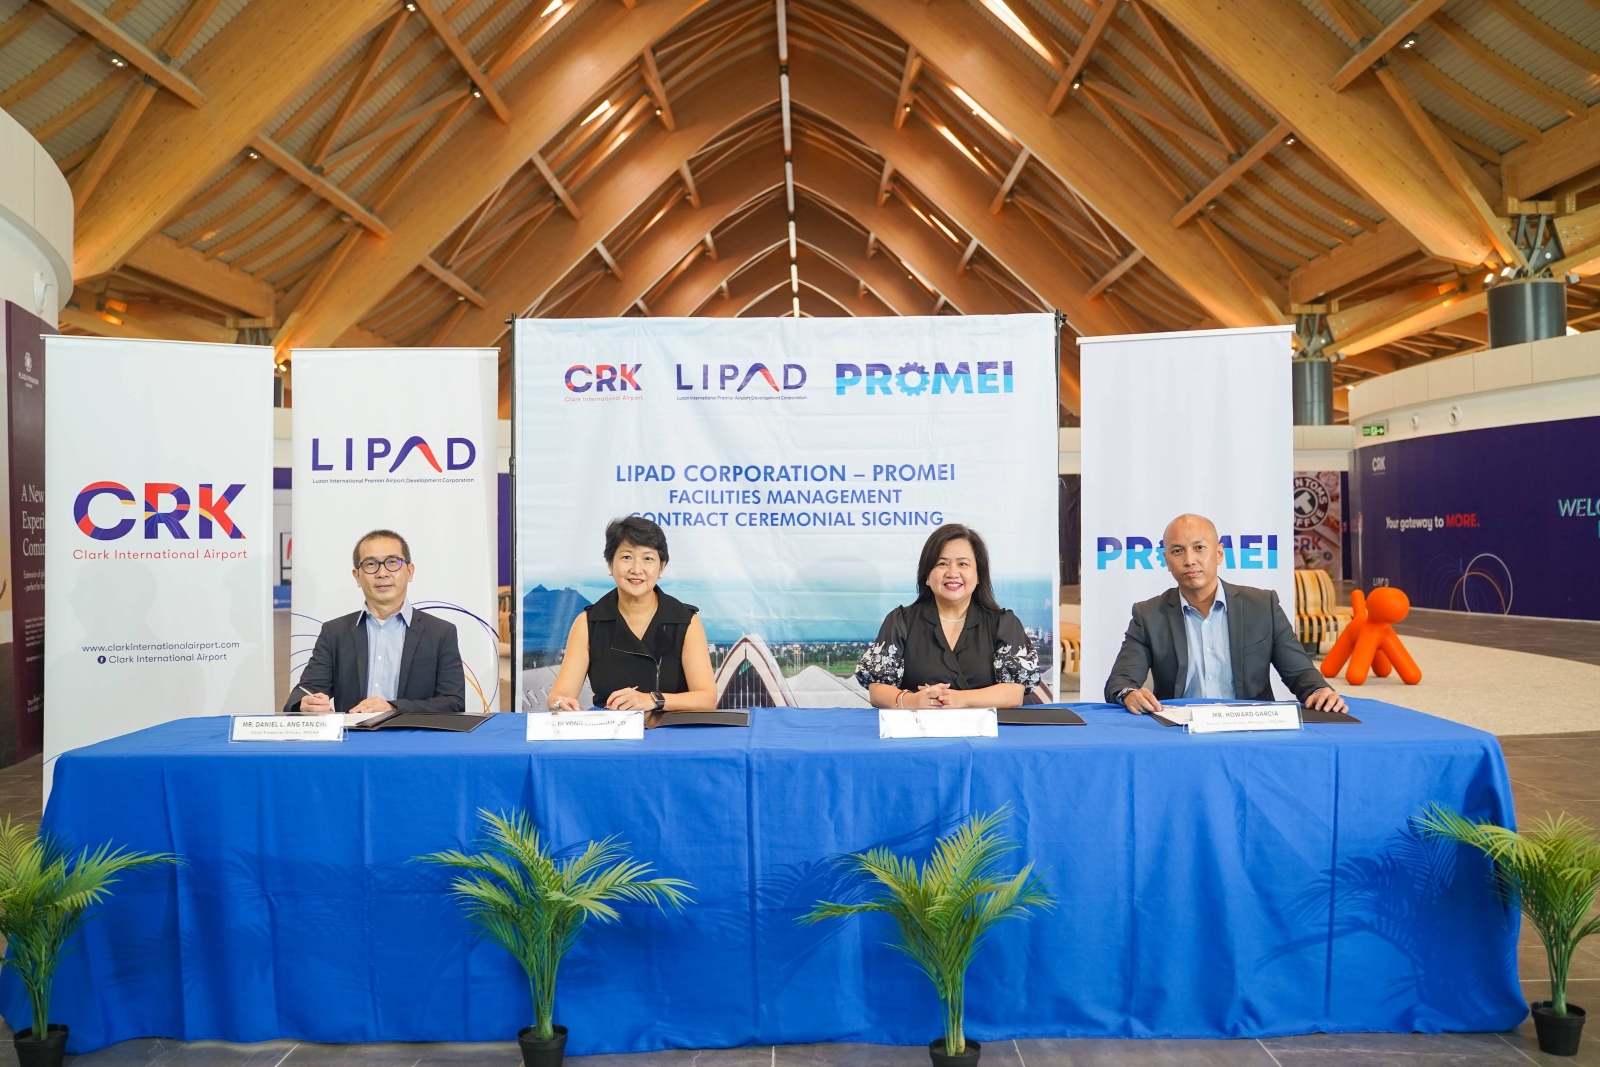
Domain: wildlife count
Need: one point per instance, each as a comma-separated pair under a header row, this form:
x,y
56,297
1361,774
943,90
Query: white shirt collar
x,y
404,613
1221,600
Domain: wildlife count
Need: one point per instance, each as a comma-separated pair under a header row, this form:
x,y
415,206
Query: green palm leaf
x,y
45,895
534,906
1551,873
943,912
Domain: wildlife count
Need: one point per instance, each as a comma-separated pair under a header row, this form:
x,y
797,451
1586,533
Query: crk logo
x,y
1378,465
213,511
718,377
604,378
913,379
459,454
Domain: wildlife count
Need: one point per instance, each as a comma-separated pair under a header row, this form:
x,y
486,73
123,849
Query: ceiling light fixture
x,y
796,304
251,154
1409,41
477,93
411,6
1507,271
1488,279
1077,81
794,278
116,60
792,249
1291,140
605,105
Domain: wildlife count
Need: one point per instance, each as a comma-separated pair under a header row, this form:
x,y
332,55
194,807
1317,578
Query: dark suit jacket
x,y
431,678
1259,635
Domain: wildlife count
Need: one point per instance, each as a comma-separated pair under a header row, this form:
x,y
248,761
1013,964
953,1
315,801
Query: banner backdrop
x,y
22,602
1174,423
400,439
1496,521
158,462
797,467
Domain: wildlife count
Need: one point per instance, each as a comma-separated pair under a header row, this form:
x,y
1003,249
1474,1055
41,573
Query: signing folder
x,y
455,722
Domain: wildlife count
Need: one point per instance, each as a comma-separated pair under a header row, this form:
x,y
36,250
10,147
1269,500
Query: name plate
x,y
287,728
585,725
938,722
1226,718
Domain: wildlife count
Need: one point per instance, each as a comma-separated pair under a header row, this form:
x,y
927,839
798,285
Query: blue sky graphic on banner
x,y
796,467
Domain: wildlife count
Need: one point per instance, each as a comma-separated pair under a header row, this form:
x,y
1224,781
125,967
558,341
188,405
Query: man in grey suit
x,y
387,656
1209,638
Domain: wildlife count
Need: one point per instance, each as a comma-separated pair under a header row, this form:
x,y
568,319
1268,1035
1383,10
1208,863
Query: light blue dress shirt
x,y
1210,651
386,642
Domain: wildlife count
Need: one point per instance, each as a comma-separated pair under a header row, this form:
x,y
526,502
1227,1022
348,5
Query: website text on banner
x,y
1173,423
399,439
158,587
797,467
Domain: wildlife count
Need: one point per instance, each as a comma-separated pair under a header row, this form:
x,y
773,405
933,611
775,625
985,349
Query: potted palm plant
x,y
534,906
45,895
944,911
1551,873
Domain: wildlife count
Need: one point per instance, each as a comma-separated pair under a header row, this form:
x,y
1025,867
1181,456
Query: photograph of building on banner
x,y
796,469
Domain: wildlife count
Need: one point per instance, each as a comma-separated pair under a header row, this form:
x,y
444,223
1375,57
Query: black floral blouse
x,y
911,651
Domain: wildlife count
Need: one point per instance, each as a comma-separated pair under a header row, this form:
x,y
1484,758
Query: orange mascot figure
x,y
1370,641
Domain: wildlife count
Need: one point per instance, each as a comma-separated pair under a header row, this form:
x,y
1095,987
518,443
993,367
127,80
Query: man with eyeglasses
x,y
386,656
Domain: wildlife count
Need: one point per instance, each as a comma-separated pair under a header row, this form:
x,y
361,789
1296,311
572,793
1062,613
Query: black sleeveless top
x,y
619,660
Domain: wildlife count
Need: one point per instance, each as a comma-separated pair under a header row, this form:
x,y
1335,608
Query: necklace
x,y
960,618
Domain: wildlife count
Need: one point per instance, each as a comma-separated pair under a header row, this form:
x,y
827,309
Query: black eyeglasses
x,y
388,563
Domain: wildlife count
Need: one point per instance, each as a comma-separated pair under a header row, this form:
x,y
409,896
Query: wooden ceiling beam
x,y
1073,144
393,128
1004,193
290,164
1231,174
441,194
1507,70
358,88
951,182
453,280
1080,55
249,71
1173,50
1106,280
1569,149
1336,269
1385,39
1287,58
657,87
115,39
452,43
908,85
1545,34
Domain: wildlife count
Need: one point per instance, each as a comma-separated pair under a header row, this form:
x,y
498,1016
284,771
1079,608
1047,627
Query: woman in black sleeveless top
x,y
955,646
642,649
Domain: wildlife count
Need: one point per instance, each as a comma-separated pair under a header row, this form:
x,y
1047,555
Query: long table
x,y
1234,885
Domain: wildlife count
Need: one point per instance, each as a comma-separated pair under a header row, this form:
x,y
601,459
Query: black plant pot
x,y
1558,1034
969,1058
536,1053
46,1053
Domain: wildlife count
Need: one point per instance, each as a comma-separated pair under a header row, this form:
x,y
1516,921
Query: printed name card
x,y
938,722
287,728
585,725
1225,718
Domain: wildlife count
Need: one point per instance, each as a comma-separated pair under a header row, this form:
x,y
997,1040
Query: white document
x,y
287,728
1226,718
938,722
585,725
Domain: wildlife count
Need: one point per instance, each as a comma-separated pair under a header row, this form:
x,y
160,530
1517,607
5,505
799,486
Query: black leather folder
x,y
456,722
1039,716
729,717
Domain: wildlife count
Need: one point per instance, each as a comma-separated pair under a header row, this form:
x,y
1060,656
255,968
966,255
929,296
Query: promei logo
x,y
914,379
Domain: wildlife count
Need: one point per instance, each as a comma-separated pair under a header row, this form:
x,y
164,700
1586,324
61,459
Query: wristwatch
x,y
660,699
1122,694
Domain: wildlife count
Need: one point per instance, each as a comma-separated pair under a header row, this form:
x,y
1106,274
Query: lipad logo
x,y
459,454
914,379
1141,553
758,377
157,517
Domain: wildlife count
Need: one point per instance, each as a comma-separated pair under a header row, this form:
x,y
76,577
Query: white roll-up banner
x,y
399,439
796,466
1173,423
158,568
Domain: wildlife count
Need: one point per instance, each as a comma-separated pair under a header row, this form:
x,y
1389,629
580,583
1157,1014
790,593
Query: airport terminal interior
x,y
1412,185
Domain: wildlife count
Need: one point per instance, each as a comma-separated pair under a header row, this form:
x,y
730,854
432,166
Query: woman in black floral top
x,y
955,647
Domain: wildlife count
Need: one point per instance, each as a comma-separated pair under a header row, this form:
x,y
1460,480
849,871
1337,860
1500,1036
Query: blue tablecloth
x,y
1234,885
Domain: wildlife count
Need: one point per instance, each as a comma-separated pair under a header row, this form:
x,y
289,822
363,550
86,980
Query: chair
x,y
1072,646
1318,619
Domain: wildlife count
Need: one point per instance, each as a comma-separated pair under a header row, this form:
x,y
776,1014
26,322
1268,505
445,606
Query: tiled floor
x,y
1544,637
1549,774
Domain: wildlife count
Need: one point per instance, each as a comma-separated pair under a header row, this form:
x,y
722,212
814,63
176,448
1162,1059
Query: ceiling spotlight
x,y
1507,271
344,216
459,298
1409,41
411,6
116,60
658,112
1488,279
1573,279
251,154
908,109
477,93
1291,140
1077,81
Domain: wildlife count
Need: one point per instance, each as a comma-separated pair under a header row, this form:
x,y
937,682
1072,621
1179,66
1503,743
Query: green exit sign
x,y
1375,429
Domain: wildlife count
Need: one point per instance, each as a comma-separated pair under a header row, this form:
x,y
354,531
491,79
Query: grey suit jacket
x,y
1259,636
431,678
